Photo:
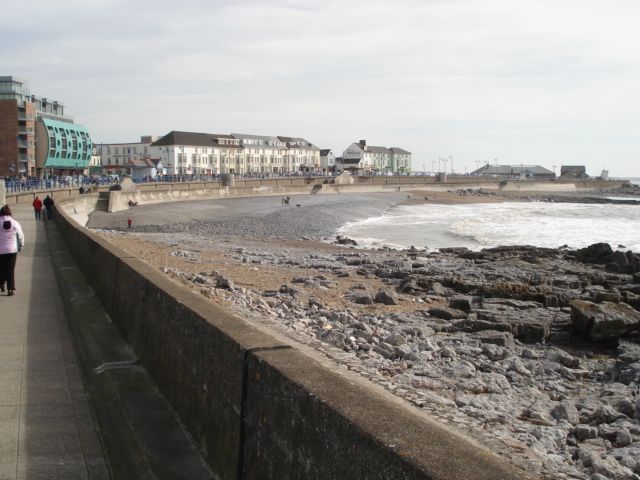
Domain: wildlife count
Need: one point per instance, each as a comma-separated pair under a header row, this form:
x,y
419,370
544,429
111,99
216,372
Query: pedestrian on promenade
x,y
11,242
37,208
48,205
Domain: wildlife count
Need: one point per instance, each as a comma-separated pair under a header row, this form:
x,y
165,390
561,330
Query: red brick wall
x,y
8,135
30,109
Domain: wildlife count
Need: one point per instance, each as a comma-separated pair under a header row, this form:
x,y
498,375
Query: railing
x,y
14,185
23,185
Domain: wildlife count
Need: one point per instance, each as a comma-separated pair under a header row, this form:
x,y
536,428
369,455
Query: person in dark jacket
x,y
48,205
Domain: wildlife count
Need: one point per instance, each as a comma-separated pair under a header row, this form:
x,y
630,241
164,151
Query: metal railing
x,y
30,184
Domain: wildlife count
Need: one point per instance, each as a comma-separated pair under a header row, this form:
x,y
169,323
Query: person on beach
x,y
48,205
37,208
11,242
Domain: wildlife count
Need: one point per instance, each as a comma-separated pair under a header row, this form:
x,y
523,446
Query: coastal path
x,y
75,404
47,428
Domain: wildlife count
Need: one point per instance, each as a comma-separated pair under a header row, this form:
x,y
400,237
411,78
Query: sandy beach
x,y
458,334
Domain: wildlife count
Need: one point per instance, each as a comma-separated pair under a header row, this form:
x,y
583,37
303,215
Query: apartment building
x,y
302,155
376,159
193,153
263,154
20,113
117,158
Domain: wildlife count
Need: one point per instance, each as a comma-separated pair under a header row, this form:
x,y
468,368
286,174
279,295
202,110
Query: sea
x,y
477,226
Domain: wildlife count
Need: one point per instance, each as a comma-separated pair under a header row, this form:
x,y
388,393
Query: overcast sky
x,y
546,82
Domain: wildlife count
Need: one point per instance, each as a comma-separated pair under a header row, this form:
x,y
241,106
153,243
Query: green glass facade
x,y
69,145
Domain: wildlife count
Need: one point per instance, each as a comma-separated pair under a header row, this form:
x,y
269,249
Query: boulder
x,y
461,302
474,325
566,411
584,432
504,339
340,240
620,258
596,253
360,298
628,363
447,313
386,298
604,321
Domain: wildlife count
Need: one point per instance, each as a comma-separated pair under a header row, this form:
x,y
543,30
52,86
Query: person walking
x,y
37,208
11,242
48,205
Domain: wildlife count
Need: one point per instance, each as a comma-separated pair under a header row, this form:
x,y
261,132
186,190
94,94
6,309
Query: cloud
x,y
529,82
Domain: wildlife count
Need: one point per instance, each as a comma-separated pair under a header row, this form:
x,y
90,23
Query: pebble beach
x,y
531,351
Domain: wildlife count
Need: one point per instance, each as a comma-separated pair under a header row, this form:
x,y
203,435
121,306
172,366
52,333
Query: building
x,y
352,165
573,171
117,158
193,153
145,168
20,112
263,154
327,160
534,172
302,155
95,167
377,159
62,148
401,160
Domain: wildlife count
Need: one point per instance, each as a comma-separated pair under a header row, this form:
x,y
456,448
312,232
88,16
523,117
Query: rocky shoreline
x,y
532,351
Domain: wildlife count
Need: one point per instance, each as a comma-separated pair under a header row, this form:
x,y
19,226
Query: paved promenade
x,y
47,429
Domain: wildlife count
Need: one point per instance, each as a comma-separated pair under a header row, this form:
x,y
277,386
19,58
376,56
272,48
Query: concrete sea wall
x,y
257,406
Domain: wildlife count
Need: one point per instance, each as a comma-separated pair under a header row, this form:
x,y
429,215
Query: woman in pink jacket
x,y
11,242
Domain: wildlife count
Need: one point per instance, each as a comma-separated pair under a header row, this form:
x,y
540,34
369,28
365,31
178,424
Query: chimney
x,y
363,143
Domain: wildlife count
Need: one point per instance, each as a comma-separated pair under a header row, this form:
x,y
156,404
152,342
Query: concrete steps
x,y
103,201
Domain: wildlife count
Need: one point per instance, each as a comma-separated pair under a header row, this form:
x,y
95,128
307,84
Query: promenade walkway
x,y
50,428
47,428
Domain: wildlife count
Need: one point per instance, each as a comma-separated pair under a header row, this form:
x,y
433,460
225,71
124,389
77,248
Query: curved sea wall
x,y
257,406
115,201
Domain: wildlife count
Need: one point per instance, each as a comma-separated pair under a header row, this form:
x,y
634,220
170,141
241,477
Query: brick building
x,y
20,112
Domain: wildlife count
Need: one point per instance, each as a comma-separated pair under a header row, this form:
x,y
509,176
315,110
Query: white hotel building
x,y
368,158
192,153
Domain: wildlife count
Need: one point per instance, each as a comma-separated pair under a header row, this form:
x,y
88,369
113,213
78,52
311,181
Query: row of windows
x,y
258,141
126,150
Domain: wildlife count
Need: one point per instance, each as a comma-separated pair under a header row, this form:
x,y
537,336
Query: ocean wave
x,y
478,226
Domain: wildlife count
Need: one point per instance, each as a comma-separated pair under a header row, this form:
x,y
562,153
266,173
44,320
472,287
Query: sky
x,y
545,82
